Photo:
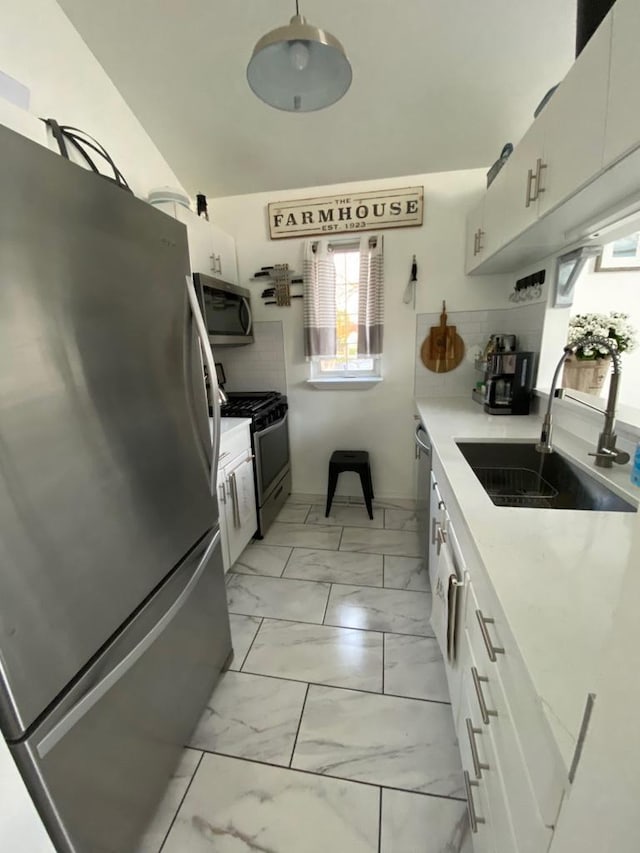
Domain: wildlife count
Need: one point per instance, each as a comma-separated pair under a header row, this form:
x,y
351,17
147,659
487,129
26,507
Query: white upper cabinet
x,y
559,175
225,265
475,237
574,123
623,115
511,201
211,250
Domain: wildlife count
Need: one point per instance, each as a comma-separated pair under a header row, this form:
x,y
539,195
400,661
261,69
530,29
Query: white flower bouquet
x,y
614,327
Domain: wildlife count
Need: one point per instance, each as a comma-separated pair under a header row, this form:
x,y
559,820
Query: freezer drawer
x,y
97,768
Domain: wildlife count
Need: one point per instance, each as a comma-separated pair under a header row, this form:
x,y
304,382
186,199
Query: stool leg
x,y
370,483
367,490
331,489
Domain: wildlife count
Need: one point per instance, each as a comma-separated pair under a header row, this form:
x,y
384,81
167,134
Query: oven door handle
x,y
247,305
271,427
205,345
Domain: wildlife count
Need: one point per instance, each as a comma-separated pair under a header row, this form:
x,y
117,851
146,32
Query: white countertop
x,y
228,425
557,573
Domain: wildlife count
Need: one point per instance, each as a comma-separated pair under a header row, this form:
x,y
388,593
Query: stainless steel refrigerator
x,y
113,617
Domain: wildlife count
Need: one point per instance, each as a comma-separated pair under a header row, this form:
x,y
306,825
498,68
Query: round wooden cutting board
x,y
443,349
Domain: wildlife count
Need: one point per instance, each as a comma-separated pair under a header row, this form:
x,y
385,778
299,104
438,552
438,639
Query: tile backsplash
x,y
474,327
259,366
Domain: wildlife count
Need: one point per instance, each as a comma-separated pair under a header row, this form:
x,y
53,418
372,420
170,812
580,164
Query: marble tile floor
x,y
332,729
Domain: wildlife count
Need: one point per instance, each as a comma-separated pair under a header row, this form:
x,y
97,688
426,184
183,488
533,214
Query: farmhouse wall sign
x,y
339,214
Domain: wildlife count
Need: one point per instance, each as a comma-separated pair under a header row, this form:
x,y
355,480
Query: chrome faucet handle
x,y
620,457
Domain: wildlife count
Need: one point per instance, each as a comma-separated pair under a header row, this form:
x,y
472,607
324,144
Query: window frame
x,y
348,376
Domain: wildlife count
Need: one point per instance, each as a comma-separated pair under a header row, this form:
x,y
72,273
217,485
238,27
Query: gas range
x,y
263,407
270,445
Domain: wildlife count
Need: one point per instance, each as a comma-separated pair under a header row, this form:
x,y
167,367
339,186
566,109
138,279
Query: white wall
x,y
40,48
601,811
379,420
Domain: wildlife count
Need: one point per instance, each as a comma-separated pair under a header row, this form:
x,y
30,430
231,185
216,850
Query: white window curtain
x,y
371,298
319,276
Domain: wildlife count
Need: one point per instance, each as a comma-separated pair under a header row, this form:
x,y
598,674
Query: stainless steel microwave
x,y
226,309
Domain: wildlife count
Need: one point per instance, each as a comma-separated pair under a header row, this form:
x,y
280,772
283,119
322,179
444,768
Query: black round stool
x,y
350,460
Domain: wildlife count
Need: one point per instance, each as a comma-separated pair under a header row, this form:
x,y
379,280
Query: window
x,y
346,364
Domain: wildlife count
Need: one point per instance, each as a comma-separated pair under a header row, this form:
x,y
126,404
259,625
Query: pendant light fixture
x,y
299,68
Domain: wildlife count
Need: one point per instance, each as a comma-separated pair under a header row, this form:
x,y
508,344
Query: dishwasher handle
x,y
420,445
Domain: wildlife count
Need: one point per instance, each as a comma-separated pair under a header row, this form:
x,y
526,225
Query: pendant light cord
x,y
297,9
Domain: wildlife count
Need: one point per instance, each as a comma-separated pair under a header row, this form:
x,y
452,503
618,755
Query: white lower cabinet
x,y
236,496
514,774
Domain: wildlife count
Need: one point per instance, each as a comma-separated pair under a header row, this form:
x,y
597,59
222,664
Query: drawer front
x,y
490,706
234,443
488,800
524,724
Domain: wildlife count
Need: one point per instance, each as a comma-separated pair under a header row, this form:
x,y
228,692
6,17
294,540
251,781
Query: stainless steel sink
x,y
516,475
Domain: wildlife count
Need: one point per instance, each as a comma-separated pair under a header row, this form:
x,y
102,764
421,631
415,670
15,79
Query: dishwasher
x,y
423,458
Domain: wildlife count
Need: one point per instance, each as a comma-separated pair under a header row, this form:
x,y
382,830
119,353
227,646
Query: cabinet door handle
x,y
530,179
216,264
484,711
441,536
480,236
475,244
222,494
483,621
420,445
474,819
540,166
234,500
478,766
434,524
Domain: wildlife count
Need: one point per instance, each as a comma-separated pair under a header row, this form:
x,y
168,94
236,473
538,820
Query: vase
x,y
586,375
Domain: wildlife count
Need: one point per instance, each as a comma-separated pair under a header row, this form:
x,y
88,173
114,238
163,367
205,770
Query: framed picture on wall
x,y
621,255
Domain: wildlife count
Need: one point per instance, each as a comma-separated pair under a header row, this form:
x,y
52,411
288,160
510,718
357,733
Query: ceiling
x,y
437,85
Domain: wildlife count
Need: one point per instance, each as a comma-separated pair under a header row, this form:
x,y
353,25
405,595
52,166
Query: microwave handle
x,y
211,368
247,305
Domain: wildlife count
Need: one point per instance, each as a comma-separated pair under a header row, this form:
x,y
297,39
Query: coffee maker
x,y
509,383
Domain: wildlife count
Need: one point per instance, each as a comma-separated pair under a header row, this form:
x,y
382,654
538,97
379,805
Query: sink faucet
x,y
606,452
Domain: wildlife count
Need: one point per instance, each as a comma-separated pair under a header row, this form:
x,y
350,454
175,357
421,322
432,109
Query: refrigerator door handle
x,y
96,693
213,383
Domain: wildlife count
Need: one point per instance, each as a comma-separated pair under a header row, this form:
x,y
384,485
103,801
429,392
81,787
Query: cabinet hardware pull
x,y
216,263
474,819
483,621
475,244
441,536
530,179
540,166
434,523
234,500
420,445
481,234
478,766
223,497
485,712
